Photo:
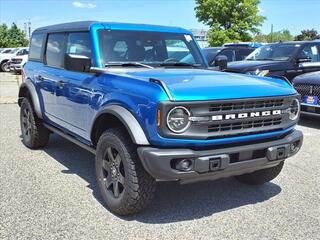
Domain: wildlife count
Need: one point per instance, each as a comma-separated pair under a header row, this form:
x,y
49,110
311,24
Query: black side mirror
x,y
303,60
77,63
221,62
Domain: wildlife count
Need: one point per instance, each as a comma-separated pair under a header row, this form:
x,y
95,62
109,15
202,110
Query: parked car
x,y
232,52
115,90
16,63
286,59
308,85
7,55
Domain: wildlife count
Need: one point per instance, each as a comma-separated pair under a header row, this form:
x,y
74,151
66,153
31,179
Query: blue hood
x,y
196,84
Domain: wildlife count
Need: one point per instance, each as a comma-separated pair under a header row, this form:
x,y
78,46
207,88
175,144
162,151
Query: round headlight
x,y
178,119
294,109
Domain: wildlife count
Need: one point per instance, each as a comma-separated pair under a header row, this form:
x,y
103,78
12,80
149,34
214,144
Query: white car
x,y
6,55
17,62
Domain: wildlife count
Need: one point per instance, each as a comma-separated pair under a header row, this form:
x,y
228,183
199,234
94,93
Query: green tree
x,y
283,35
12,37
229,20
307,35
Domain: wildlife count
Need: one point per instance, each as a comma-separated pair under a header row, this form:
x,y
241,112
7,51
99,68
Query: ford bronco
x,y
141,98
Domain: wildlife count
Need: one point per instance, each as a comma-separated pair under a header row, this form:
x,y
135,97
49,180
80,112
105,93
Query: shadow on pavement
x,y
310,121
173,202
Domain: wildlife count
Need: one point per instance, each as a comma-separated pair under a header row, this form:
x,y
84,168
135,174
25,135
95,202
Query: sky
x,y
294,15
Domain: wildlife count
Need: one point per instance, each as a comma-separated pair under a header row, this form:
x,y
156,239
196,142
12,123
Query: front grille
x,y
229,118
239,125
16,61
246,105
308,89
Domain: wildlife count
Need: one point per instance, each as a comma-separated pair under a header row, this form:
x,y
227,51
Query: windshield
x,y
275,52
152,48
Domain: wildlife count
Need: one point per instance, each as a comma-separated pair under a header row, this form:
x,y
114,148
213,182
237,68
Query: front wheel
x,y
261,176
124,184
5,67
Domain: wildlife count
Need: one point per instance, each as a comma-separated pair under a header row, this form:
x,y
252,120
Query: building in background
x,y
201,36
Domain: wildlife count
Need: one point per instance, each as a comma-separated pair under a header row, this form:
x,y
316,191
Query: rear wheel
x,y
34,134
124,184
261,176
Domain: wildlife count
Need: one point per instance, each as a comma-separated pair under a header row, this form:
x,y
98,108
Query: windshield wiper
x,y
179,64
127,64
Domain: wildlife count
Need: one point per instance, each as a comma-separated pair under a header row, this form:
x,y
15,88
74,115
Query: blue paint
x,y
74,107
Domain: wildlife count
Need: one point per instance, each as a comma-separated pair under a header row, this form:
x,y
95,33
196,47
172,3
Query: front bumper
x,y
219,162
308,109
15,67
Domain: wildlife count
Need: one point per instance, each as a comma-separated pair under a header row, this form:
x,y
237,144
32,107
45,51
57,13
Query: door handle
x,y
39,77
60,84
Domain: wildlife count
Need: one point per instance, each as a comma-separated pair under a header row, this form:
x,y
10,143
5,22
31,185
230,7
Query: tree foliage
x,y
12,37
308,34
283,35
229,20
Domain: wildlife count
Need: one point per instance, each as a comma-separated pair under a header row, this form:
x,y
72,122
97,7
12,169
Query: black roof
x,y
71,26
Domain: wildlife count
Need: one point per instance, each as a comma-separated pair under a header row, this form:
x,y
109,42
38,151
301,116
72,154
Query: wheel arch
x,y
27,89
117,115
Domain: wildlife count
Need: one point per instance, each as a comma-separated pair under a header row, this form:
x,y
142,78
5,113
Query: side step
x,y
70,138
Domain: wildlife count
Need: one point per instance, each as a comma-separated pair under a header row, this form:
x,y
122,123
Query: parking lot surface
x,y
52,194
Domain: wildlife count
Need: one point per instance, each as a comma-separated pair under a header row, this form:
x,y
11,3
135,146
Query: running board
x,y
70,138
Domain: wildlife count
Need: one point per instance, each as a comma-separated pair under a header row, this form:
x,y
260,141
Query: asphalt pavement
x,y
52,194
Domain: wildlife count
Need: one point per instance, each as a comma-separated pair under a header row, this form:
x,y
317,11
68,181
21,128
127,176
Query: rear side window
x,y
36,47
55,50
79,44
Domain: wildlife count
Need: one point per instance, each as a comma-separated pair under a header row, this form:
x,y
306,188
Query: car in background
x,y
284,59
17,62
308,86
233,52
5,57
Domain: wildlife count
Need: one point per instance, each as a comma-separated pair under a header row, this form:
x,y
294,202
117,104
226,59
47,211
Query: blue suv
x,y
142,99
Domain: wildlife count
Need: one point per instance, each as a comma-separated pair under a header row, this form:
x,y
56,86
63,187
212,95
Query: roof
x,y
86,25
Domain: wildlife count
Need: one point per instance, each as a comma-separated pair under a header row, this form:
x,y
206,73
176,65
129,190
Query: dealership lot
x,y
52,194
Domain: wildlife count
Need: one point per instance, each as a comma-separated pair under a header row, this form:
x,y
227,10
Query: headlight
x,y
294,109
258,72
178,119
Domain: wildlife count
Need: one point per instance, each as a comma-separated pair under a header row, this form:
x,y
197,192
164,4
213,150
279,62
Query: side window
x,y
79,44
242,54
36,47
55,50
310,51
229,54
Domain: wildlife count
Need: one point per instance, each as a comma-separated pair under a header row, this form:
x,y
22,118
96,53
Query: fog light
x,y
294,147
184,165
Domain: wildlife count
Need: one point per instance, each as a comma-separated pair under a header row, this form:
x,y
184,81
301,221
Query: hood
x,y
195,84
308,78
248,65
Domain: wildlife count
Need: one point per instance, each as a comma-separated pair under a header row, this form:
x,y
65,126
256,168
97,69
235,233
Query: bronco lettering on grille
x,y
245,115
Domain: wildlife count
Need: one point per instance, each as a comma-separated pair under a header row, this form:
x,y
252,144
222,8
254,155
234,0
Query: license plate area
x,y
312,100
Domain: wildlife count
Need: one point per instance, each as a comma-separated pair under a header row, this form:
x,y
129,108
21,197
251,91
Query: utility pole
x,y
271,33
27,28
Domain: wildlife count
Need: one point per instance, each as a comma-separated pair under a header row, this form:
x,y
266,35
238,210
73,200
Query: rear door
x,y
52,77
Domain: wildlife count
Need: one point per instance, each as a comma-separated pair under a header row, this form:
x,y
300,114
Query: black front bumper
x,y
219,162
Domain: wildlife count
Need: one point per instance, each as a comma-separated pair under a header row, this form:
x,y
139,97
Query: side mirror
x,y
303,60
77,63
221,62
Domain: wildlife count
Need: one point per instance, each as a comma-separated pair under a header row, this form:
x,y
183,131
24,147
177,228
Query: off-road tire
x,y
37,135
137,185
261,176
